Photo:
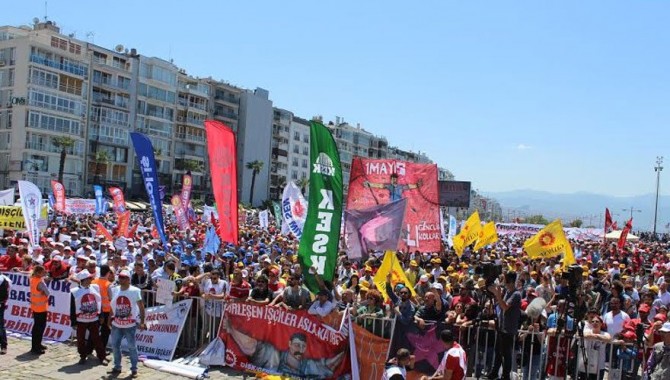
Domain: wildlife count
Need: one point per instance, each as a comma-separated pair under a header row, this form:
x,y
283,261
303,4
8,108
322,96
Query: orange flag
x,y
100,230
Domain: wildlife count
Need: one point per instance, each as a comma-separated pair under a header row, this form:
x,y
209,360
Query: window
x,y
305,164
43,78
296,136
305,151
305,138
294,174
53,123
296,149
54,101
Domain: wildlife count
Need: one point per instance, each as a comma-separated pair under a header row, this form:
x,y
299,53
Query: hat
x,y
660,317
622,266
413,263
630,335
665,328
437,286
83,275
267,260
436,261
82,257
654,289
124,273
57,258
644,308
423,279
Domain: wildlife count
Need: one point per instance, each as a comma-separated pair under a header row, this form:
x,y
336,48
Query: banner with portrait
x,y
272,340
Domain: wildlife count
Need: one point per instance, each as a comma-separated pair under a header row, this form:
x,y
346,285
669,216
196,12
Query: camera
x,y
489,271
574,276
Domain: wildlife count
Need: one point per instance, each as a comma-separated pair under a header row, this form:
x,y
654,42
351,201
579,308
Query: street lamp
x,y
658,168
631,209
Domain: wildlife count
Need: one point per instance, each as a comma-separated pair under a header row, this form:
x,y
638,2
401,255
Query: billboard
x,y
454,193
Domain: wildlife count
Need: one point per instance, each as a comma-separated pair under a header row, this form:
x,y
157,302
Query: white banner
x,y
164,325
294,209
164,291
208,212
263,219
79,206
31,204
7,197
19,317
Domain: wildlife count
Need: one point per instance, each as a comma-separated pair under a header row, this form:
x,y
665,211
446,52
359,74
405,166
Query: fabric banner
x,y
294,209
79,206
376,182
164,326
321,234
11,217
7,197
179,212
208,212
425,345
376,228
453,226
624,234
31,203
19,317
264,219
187,185
391,265
100,230
223,169
123,223
469,233
487,236
549,242
145,156
371,351
118,200
282,342
276,210
99,200
133,230
59,195
212,241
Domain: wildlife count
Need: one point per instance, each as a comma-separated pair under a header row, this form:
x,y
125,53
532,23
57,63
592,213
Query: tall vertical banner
x,y
294,209
118,200
99,200
264,219
145,156
59,195
179,212
7,197
223,168
31,204
276,210
321,234
123,223
377,182
186,186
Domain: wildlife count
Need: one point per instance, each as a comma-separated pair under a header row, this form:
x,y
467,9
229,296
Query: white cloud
x,y
523,147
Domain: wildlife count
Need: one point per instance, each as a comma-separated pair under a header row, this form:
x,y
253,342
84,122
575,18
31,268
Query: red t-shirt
x,y
57,273
453,362
9,262
467,300
239,291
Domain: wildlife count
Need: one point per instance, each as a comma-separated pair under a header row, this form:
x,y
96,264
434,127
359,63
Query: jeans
x,y
3,332
117,336
37,333
532,368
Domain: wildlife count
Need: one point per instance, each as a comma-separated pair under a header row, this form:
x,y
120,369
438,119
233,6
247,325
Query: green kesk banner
x,y
276,208
321,233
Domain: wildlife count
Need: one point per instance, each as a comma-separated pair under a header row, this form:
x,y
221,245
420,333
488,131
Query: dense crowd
x,y
622,294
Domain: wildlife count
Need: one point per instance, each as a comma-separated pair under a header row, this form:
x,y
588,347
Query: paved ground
x,y
61,362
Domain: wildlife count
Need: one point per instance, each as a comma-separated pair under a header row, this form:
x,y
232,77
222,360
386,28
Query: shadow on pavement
x,y
27,357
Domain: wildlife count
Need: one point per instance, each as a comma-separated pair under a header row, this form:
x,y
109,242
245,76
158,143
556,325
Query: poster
x,y
79,206
278,341
19,317
11,217
164,291
376,182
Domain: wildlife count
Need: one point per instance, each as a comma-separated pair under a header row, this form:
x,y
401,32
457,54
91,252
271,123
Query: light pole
x,y
658,168
631,209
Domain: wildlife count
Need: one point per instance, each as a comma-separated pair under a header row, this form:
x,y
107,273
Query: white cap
x,y
438,286
423,278
665,328
57,258
83,275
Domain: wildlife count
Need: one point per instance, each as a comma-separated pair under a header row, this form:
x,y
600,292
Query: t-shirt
x,y
615,323
214,307
454,360
509,320
239,291
124,306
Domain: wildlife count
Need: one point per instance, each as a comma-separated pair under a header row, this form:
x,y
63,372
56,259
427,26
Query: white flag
x,y
7,197
453,225
31,204
208,212
263,219
294,209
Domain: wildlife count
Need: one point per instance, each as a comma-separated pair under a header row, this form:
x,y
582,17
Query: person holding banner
x,y
85,308
126,315
39,303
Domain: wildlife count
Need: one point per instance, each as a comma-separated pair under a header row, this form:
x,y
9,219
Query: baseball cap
x,y
57,258
124,273
423,278
437,286
665,328
413,263
644,308
660,317
83,275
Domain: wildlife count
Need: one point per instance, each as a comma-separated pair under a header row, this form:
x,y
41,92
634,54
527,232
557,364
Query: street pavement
x,y
61,362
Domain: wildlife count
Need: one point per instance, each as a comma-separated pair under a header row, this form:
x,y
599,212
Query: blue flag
x,y
51,200
212,241
145,157
99,200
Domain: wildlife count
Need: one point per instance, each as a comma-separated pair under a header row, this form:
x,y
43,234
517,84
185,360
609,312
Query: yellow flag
x,y
549,242
488,235
468,234
390,264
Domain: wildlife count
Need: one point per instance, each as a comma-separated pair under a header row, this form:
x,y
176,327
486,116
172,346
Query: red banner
x,y
133,231
186,186
59,195
118,200
376,182
179,212
123,223
371,351
282,342
100,230
624,234
223,168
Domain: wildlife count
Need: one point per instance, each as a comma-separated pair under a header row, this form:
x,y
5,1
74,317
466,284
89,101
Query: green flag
x,y
276,209
321,233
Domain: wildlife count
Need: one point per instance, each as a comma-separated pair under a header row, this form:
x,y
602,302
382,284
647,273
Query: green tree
x,y
64,143
256,167
101,160
536,219
576,223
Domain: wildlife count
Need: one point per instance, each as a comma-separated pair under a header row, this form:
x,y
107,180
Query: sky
x,y
565,96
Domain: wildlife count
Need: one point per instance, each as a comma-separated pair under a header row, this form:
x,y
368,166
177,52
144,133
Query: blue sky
x,y
560,96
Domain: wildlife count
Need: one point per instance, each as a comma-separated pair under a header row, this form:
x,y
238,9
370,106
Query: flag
x,y
59,195
179,212
294,209
118,200
378,228
487,236
186,186
608,221
453,226
131,233
100,230
549,242
264,219
469,233
212,241
161,193
321,234
390,264
31,204
99,200
624,233
145,157
123,223
425,344
223,169
208,212
276,210
7,197
615,226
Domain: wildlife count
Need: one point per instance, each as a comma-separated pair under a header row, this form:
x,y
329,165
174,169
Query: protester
x,y
4,296
85,309
658,366
39,304
126,316
454,362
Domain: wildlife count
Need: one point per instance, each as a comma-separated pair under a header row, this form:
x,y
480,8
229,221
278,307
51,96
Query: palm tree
x,y
302,184
64,143
256,166
101,159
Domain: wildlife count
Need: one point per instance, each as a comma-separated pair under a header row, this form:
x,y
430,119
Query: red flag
x,y
124,222
119,202
133,231
615,226
179,212
608,221
223,168
59,195
154,232
624,233
100,230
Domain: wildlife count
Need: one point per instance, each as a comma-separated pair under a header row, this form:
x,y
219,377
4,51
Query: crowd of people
x,y
616,299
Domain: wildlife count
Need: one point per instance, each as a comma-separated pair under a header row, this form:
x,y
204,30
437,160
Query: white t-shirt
x,y
595,352
214,307
615,322
124,306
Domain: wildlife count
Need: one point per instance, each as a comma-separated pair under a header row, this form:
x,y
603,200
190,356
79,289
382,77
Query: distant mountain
x,y
586,206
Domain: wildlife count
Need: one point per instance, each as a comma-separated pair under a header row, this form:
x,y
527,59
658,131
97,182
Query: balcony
x,y
280,152
227,115
72,68
231,100
185,136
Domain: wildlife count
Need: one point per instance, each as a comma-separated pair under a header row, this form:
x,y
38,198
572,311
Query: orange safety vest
x,y
103,284
38,300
